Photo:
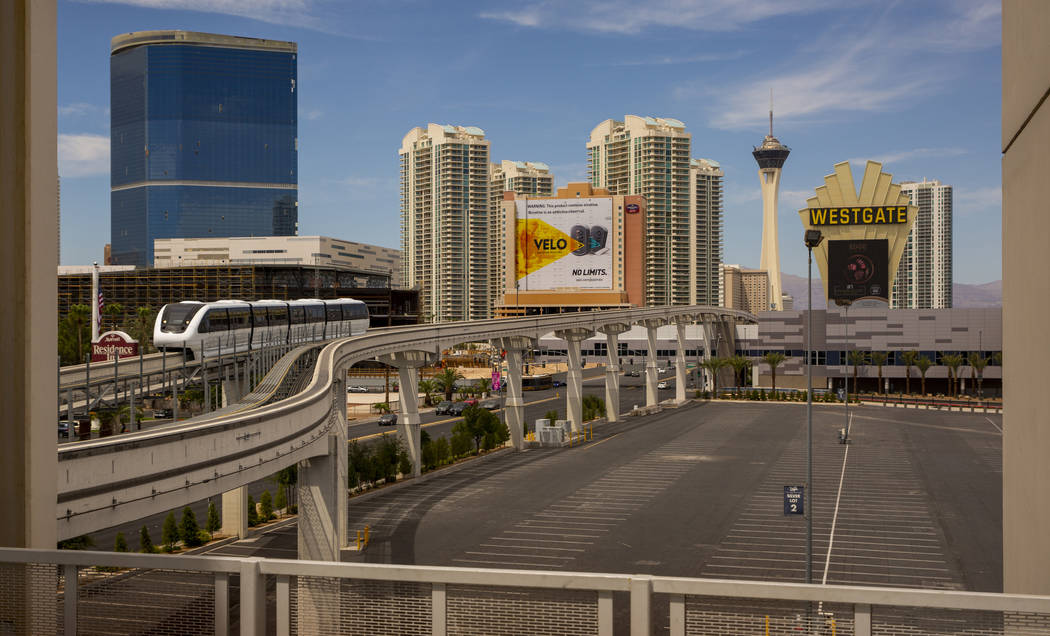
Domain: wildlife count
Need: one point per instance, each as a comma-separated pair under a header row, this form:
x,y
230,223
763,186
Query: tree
x,y
120,544
124,416
213,523
266,504
446,381
142,327
74,333
908,358
774,360
483,385
856,358
145,542
923,364
427,388
878,358
740,365
169,534
953,361
287,480
713,365
253,513
191,532
977,365
280,500
114,312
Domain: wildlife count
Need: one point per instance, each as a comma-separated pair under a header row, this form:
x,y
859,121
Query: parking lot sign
x,y
794,500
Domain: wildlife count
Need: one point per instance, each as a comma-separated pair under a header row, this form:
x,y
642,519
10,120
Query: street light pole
x,y
812,239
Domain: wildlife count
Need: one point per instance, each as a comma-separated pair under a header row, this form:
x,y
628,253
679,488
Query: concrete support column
x,y
679,364
231,386
652,397
574,376
235,512
515,405
321,490
709,351
612,370
407,364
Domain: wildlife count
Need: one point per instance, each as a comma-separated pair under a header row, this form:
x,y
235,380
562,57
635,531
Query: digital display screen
x,y
858,269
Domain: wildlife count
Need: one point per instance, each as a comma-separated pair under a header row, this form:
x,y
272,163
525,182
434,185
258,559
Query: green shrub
x,y
169,534
266,506
404,463
552,416
189,530
120,544
280,502
83,542
442,451
213,522
253,513
145,542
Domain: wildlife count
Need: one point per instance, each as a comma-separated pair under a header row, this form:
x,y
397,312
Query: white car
x,y
356,389
663,385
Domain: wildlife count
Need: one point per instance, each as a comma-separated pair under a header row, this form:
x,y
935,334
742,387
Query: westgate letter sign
x,y
112,345
864,232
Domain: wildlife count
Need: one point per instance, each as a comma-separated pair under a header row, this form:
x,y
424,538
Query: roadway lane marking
x,y
601,441
528,547
532,556
835,517
559,534
994,424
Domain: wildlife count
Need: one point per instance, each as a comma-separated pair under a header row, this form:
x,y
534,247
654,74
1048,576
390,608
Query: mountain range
x,y
963,295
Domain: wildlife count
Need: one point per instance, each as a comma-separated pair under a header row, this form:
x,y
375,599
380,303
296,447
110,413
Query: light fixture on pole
x,y
812,239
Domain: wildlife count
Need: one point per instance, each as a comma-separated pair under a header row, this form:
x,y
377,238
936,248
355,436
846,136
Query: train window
x,y
315,313
215,320
259,316
298,315
175,318
240,317
335,314
278,316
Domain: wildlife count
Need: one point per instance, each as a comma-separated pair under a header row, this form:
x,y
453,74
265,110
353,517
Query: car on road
x,y
471,401
443,408
356,389
557,383
457,408
633,374
491,404
64,426
663,385
163,414
388,419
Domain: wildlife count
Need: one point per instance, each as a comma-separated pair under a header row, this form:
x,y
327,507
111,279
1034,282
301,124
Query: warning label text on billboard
x,y
877,215
563,243
858,269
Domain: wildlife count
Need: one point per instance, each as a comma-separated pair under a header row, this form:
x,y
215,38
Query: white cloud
x,y
971,202
668,60
83,155
313,114
876,69
628,16
80,109
903,155
286,12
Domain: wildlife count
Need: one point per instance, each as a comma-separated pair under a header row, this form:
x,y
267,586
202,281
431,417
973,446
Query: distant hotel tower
x,y
770,157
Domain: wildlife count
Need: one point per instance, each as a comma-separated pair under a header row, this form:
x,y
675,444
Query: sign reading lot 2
x,y
113,344
564,243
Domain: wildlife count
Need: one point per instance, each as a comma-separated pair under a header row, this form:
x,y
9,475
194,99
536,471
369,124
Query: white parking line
x,y
994,424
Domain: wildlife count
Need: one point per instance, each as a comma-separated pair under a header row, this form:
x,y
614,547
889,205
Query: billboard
x,y
858,269
112,345
564,243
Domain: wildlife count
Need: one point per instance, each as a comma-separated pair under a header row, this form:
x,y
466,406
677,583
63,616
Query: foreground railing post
x,y
69,606
284,606
641,604
677,615
605,613
222,604
438,617
861,620
253,597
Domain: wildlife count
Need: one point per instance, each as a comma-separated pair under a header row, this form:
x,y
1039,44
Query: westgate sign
x,y
113,345
865,232
859,216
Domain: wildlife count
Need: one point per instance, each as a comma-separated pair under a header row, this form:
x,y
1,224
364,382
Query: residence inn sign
x,y
865,233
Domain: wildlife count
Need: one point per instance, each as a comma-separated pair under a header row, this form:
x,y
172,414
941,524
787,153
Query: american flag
x,y
101,304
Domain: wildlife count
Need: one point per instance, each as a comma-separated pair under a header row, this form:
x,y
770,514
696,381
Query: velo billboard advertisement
x,y
564,243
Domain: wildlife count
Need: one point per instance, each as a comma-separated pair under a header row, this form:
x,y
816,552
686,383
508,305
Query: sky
x,y
915,84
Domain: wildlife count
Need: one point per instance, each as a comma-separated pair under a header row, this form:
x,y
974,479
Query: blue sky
x,y
915,84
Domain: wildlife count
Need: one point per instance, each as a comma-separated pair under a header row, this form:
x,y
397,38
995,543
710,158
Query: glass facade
x,y
203,143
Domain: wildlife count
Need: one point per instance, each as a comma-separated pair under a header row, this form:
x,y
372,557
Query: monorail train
x,y
227,326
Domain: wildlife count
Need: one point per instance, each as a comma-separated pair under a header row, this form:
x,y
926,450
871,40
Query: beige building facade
x,y
1026,297
446,221
924,276
649,156
323,251
744,289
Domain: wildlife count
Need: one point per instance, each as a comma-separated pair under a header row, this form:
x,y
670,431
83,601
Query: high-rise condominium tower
x,y
446,221
771,156
650,156
924,276
530,178
203,130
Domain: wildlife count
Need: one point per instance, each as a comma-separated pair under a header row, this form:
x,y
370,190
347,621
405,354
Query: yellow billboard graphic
x,y
877,215
539,245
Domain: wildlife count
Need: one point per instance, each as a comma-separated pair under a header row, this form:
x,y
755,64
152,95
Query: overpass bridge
x,y
106,482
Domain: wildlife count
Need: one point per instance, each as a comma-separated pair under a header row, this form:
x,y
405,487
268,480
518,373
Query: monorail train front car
x,y
227,326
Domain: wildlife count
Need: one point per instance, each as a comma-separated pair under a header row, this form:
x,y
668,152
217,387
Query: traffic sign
x,y
794,500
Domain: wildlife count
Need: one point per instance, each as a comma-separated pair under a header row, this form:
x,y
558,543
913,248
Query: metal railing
x,y
72,592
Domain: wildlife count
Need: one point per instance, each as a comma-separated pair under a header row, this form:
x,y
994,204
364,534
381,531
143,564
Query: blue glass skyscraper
x,y
204,139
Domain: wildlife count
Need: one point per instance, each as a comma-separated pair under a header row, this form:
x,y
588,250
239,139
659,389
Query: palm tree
x,y
924,364
977,365
142,327
856,358
446,381
427,387
878,358
76,330
739,364
773,359
713,365
114,311
483,386
908,358
953,361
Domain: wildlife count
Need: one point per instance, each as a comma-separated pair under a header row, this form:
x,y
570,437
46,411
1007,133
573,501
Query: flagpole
x,y
94,303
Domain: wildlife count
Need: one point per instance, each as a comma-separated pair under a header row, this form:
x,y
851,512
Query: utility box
x,y
548,434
